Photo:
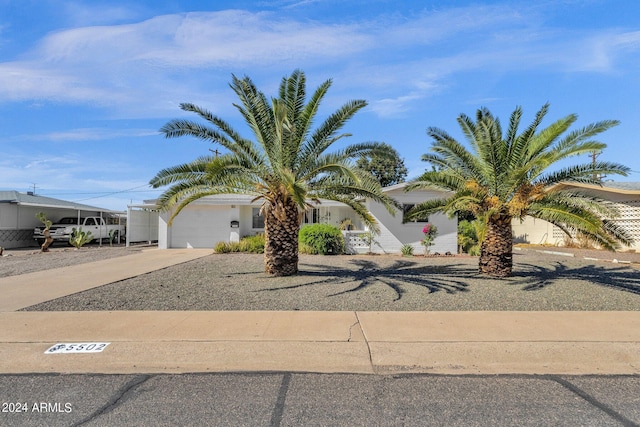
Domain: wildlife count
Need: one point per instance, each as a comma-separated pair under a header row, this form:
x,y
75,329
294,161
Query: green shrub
x,y
222,248
323,239
407,250
303,248
253,244
470,235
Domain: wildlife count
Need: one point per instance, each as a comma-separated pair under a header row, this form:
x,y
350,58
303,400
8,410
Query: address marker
x,y
80,347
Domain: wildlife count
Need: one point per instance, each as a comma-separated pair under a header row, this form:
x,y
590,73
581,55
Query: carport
x,y
18,215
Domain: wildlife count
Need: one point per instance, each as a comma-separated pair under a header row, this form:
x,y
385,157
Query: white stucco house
x,y
18,215
625,195
227,217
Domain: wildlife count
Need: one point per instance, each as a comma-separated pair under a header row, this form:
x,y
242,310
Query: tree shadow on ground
x,y
446,278
457,278
536,277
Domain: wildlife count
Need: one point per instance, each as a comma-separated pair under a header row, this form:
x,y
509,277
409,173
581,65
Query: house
x,y
228,217
625,195
18,215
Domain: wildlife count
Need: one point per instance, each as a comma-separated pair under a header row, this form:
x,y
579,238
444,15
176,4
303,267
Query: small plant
x,y
470,235
430,232
346,224
303,248
43,219
406,250
323,239
227,247
580,240
112,236
252,244
369,238
222,248
79,238
48,240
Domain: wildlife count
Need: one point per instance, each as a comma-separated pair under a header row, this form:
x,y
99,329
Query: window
x,y
406,208
258,220
90,221
312,216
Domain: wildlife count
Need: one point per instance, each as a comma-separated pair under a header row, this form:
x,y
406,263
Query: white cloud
x,y
153,65
146,68
199,39
79,14
84,134
605,49
393,107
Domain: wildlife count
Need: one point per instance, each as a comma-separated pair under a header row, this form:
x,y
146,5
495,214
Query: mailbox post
x,y
235,231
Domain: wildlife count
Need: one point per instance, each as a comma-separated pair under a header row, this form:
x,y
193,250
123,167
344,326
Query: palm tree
x,y
507,177
287,166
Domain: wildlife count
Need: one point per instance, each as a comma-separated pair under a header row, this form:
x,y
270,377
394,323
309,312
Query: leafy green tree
x,y
287,166
507,176
388,170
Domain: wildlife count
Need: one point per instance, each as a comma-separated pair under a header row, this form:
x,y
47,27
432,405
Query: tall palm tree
x,y
287,166
507,177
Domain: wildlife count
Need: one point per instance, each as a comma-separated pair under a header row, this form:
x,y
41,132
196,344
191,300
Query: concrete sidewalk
x,y
33,288
356,342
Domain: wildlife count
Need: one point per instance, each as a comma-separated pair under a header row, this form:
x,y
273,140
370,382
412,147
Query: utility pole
x,y
216,152
594,156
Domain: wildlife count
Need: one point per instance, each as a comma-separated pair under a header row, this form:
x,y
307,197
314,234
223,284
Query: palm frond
x,y
577,142
584,173
327,133
429,207
191,170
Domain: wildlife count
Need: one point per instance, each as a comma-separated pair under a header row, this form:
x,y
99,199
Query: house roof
x,y
610,186
233,199
628,186
403,185
29,199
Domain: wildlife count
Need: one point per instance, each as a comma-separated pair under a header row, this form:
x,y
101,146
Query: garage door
x,y
200,227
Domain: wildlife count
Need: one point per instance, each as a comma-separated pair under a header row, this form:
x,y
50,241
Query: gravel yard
x,y
541,281
28,260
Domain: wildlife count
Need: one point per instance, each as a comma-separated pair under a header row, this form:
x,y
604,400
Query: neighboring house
x,y
18,215
625,195
228,217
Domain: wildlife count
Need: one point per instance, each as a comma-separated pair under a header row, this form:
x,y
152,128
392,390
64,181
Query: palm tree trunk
x,y
496,252
281,228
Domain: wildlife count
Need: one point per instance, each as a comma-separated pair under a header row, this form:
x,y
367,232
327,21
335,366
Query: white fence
x,y
142,225
358,241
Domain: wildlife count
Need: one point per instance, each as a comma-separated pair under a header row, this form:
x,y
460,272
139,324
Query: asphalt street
x,y
305,399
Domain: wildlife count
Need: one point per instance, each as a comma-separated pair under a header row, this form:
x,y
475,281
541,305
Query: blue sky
x,y
85,85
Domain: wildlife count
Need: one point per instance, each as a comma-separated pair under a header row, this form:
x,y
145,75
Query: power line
x,y
105,193
114,192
